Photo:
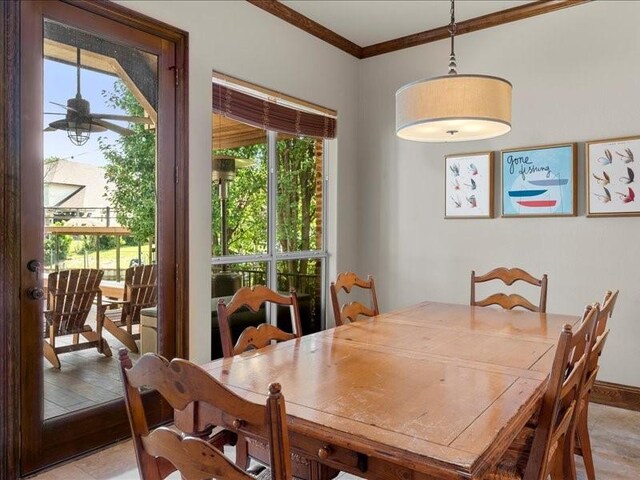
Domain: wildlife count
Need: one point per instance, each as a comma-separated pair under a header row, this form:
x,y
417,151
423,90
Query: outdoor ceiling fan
x,y
79,122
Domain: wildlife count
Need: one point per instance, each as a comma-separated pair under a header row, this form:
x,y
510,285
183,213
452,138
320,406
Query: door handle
x,y
37,292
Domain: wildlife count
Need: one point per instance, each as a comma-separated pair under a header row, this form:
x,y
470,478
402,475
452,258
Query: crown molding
x,y
296,19
494,19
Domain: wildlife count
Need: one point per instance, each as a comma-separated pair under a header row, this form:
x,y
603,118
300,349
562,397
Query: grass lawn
x,y
107,257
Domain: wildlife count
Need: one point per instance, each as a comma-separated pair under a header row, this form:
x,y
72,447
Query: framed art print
x,y
469,185
613,177
539,181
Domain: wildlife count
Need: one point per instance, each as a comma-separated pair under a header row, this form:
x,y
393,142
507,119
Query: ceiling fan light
x,y
79,133
454,108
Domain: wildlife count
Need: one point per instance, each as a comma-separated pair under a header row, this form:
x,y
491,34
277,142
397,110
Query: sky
x,y
59,86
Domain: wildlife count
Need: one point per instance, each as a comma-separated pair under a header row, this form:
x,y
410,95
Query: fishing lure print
x,y
628,197
607,159
627,156
604,180
629,178
606,198
472,201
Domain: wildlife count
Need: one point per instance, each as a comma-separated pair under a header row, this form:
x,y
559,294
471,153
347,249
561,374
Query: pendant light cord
x,y
78,72
452,31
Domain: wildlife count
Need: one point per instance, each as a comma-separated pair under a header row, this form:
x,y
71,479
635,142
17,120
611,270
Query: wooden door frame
x,y
10,244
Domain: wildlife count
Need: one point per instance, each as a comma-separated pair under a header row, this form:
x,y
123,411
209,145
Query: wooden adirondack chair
x,y
70,296
140,291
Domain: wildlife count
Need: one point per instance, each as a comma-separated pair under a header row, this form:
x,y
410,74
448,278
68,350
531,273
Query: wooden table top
x,y
440,388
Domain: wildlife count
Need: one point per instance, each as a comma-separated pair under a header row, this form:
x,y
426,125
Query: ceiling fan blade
x,y
124,118
113,127
53,113
64,106
49,129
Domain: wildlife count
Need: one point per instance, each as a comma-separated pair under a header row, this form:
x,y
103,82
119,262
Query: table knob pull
x,y
238,423
325,452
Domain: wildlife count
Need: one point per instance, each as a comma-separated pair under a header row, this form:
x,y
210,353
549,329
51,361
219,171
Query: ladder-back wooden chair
x,y
509,301
70,297
351,311
583,441
162,451
547,448
140,291
261,336
256,338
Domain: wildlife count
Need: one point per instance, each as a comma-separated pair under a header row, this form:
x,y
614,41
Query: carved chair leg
x,y
242,453
50,354
123,336
569,459
582,430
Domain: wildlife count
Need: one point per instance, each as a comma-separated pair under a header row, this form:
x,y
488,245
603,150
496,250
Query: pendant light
x,y
453,107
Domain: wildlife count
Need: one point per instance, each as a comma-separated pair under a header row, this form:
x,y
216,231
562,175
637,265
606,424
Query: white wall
x,y
576,77
238,39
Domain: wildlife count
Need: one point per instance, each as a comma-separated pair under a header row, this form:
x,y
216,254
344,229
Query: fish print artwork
x,y
469,185
540,181
612,182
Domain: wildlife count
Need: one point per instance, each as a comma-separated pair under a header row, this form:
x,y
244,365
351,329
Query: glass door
x,y
98,196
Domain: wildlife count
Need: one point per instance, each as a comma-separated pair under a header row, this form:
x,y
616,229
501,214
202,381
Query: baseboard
x,y
616,395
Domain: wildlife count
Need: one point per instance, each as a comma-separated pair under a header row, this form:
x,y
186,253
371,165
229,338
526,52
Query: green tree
x,y
130,169
246,205
56,247
296,207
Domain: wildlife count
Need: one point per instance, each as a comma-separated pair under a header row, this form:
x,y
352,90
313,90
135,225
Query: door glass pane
x,y
300,192
99,172
239,188
306,277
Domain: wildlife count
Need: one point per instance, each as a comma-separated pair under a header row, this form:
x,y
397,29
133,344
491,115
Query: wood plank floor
x,y
615,436
86,377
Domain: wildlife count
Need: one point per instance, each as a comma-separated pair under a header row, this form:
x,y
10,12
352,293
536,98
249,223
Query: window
x,y
268,199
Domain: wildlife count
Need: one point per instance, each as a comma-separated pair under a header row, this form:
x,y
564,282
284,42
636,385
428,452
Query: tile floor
x,y
615,436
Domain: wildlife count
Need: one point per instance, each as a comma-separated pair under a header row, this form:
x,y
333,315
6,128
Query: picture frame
x,y
469,185
540,181
612,177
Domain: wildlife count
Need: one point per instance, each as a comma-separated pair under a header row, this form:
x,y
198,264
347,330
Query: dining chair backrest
x,y
161,451
256,337
509,276
555,431
351,311
600,339
70,297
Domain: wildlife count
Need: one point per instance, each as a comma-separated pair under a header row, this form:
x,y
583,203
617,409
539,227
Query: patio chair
x,y
509,276
351,311
195,455
140,291
70,297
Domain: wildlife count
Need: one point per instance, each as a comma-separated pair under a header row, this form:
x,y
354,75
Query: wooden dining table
x,y
433,391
